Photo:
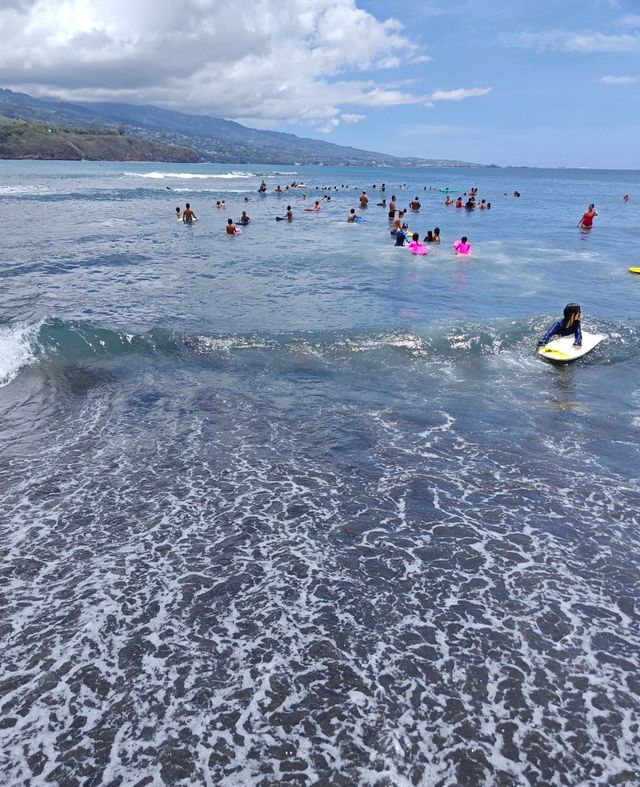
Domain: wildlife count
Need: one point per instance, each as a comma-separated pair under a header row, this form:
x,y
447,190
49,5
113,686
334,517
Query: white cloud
x,y
328,127
582,43
622,80
459,94
351,117
281,60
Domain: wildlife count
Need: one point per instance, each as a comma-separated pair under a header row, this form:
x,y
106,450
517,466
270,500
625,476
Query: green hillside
x,y
20,139
213,139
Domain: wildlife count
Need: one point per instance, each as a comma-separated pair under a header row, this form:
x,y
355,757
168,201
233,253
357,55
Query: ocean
x,y
298,507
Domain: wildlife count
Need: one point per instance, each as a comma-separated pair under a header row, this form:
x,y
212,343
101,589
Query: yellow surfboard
x,y
634,270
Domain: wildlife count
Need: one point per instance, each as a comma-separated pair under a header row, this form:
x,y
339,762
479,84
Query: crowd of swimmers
x,y
399,230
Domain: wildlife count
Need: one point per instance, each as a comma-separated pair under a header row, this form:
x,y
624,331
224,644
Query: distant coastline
x,y
102,131
23,140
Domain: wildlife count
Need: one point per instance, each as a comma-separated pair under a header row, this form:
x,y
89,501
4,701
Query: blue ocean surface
x,y
299,507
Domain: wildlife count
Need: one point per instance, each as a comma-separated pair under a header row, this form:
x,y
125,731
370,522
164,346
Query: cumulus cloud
x,y
280,60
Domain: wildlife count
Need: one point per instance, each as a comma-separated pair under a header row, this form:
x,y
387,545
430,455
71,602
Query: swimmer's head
x,y
572,312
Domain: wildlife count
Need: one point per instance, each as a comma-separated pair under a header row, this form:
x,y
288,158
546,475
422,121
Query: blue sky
x,y
544,84
564,79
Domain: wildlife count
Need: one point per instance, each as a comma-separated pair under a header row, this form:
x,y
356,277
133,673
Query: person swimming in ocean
x,y
416,245
586,222
462,246
568,324
188,216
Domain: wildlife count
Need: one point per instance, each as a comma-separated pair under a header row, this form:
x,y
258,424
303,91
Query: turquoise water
x,y
298,506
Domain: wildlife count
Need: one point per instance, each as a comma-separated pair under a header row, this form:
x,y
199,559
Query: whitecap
x,y
15,350
189,175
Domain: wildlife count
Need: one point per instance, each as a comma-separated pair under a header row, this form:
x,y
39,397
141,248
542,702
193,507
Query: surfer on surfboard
x,y
570,323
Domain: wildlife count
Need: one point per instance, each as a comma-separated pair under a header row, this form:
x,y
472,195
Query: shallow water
x,y
298,507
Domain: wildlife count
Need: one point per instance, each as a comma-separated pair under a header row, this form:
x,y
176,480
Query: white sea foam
x,y
16,350
191,175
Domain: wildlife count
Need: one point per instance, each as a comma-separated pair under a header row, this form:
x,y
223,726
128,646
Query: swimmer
x,y
459,202
393,207
178,213
289,213
382,204
364,200
626,198
483,204
397,225
462,246
570,323
188,216
586,222
231,229
415,204
436,234
315,208
244,219
401,237
448,200
416,246
428,238
352,216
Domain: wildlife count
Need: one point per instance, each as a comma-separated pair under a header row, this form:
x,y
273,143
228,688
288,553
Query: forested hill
x,y
24,140
213,139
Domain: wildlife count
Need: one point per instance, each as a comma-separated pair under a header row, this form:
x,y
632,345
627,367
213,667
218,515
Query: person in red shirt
x,y
587,218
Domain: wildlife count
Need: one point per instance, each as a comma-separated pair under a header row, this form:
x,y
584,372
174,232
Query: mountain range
x,y
199,137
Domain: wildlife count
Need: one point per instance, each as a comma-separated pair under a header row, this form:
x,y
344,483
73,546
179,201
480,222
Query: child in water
x,y
400,237
570,323
462,246
416,246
